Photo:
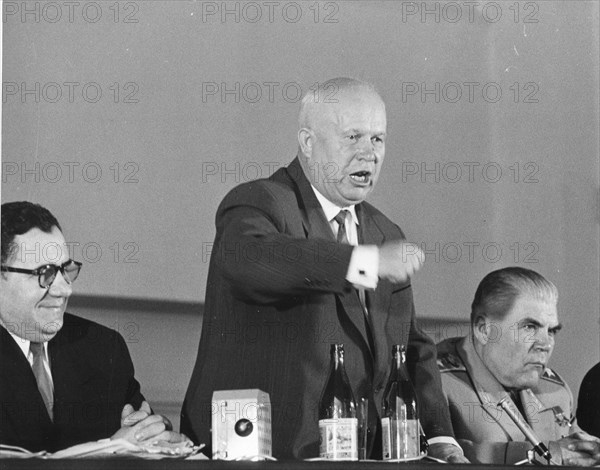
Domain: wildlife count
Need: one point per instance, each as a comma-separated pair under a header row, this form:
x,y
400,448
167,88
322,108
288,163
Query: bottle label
x,y
400,439
339,438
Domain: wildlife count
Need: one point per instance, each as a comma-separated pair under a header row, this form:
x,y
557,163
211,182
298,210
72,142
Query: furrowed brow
x,y
557,328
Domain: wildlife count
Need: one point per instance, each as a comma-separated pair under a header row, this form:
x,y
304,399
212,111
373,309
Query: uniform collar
x,y
482,377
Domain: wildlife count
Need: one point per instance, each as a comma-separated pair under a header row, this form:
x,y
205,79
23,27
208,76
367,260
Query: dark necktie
x,y
340,218
41,376
342,237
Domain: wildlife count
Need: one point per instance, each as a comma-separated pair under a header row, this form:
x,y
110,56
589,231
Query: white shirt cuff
x,y
444,440
364,267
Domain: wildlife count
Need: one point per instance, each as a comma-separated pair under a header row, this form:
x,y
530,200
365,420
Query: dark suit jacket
x,y
277,298
93,379
588,404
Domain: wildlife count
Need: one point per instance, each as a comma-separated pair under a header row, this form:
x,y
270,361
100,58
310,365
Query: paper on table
x,y
107,447
95,448
15,452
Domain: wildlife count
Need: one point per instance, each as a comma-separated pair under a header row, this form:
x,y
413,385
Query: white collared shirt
x,y
364,263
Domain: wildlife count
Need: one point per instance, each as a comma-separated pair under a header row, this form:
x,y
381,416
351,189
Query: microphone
x,y
539,447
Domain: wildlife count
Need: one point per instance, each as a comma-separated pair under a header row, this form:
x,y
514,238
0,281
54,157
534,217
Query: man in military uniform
x,y
514,321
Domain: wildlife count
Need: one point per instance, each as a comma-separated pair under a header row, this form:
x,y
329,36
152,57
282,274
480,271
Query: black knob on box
x,y
243,428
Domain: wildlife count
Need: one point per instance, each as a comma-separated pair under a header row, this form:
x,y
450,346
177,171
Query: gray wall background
x,y
492,156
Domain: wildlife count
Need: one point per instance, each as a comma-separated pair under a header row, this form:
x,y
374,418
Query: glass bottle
x,y
338,423
400,421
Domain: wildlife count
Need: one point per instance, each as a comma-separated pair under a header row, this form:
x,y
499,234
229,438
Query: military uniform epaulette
x,y
552,376
449,362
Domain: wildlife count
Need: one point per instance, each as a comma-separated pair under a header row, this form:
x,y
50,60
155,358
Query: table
x,y
113,463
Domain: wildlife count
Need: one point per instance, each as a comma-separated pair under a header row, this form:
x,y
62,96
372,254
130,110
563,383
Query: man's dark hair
x,y
498,291
19,218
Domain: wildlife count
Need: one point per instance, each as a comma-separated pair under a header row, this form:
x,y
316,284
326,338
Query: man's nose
x,y
544,341
367,150
60,287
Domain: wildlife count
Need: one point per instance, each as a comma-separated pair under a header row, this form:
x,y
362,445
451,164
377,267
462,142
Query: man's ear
x,y
481,329
306,140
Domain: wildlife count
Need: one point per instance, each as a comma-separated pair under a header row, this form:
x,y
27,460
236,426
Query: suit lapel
x,y
369,233
15,367
19,382
313,218
69,373
316,225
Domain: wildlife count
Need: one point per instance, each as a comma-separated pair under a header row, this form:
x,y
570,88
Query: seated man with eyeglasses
x,y
64,380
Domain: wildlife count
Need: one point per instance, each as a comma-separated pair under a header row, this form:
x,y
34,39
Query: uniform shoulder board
x,y
449,362
552,376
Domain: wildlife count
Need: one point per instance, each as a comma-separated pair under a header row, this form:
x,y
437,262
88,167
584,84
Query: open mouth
x,y
361,177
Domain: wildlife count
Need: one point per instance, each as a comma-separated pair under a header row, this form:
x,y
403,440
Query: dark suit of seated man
x,y
64,380
514,322
588,403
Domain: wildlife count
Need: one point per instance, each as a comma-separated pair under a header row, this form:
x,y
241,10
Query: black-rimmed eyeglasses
x,y
46,274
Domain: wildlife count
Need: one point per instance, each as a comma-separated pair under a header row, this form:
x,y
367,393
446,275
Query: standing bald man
x,y
300,261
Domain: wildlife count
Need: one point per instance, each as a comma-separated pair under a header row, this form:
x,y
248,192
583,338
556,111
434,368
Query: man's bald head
x,y
328,94
342,139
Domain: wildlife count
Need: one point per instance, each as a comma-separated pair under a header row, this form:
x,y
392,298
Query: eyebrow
x,y
555,328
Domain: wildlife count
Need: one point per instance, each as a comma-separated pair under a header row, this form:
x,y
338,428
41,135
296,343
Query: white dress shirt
x,y
364,263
